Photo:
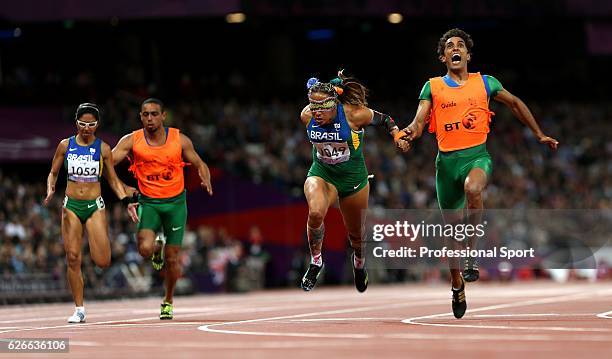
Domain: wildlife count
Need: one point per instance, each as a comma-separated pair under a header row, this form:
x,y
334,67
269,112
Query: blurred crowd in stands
x,y
266,144
264,141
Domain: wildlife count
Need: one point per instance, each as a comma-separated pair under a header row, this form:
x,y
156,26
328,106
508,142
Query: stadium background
x,y
237,88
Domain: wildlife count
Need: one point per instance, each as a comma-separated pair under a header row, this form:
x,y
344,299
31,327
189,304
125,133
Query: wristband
x,y
128,200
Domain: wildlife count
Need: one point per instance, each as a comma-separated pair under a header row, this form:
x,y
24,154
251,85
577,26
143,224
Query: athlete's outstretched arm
x,y
56,165
521,111
415,128
362,116
114,181
122,148
192,157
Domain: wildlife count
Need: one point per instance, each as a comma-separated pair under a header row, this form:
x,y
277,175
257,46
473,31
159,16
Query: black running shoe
x,y
310,277
459,304
360,276
470,270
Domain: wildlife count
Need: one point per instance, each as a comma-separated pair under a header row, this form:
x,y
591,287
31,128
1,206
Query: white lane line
x,y
563,298
209,327
180,311
142,325
109,314
605,315
63,317
531,315
291,344
559,299
511,327
207,310
96,316
96,324
519,315
74,326
502,337
340,319
19,312
192,313
260,344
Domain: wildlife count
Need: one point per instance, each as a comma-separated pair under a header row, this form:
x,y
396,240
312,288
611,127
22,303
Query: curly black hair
x,y
469,43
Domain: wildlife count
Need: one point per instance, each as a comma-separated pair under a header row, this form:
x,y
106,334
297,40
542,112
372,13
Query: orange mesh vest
x,y
460,116
158,169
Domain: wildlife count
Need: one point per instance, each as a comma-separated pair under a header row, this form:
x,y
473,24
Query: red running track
x,y
517,320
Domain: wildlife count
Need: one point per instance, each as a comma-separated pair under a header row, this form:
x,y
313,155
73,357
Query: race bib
x,y
332,152
82,168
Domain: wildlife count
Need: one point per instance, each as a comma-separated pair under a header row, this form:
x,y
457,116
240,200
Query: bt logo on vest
x,y
467,122
451,126
165,175
448,104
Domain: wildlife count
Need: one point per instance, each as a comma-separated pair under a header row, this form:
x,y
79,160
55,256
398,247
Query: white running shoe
x,y
77,317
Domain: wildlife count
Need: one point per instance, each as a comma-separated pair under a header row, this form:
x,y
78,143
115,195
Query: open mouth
x,y
455,59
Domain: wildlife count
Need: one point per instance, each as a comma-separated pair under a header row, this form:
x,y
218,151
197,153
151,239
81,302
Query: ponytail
x,y
351,92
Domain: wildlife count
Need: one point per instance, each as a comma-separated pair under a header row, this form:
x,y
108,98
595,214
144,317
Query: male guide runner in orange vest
x,y
158,169
458,107
459,116
158,153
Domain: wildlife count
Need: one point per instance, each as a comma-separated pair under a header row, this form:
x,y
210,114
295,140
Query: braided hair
x,y
346,89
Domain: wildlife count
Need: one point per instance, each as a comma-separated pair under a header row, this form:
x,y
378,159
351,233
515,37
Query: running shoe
x,y
77,317
459,304
310,277
166,311
470,270
360,276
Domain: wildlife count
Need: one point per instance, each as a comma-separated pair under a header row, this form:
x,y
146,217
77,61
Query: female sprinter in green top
x,y
335,119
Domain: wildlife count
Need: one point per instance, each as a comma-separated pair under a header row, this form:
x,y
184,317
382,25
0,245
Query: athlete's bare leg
x,y
173,270
97,233
72,232
320,195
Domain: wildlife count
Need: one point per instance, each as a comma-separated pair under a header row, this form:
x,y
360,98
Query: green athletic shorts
x,y
167,213
83,208
452,168
346,183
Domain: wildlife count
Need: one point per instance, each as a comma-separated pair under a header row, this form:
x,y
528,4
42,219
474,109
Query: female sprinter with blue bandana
x,y
86,158
335,119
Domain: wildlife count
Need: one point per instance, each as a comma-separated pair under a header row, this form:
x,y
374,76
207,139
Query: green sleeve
x,y
425,92
494,86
